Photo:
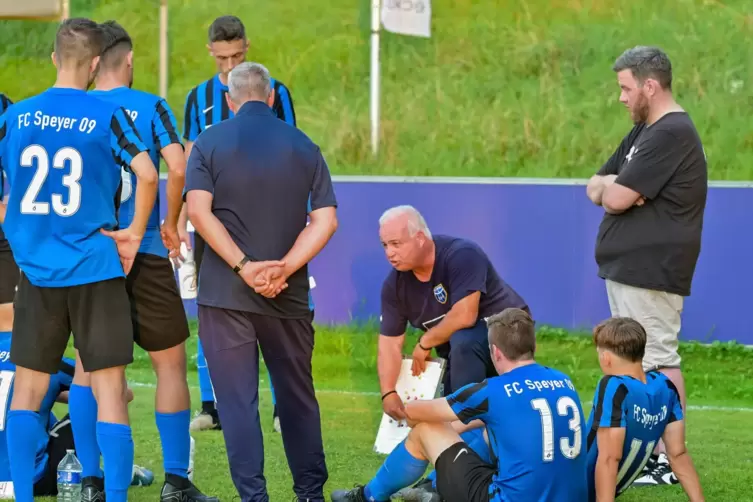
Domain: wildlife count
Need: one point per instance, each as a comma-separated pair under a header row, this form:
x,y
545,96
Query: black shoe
x,y
178,489
92,489
355,495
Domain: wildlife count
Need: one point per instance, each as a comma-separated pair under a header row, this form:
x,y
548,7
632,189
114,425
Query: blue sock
x,y
272,389
25,436
176,441
475,440
399,470
82,407
116,443
205,383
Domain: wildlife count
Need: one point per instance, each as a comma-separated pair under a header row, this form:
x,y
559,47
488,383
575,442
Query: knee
x,y
109,383
29,389
170,362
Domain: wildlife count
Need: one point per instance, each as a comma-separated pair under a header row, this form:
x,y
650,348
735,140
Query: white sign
x,y
424,386
407,17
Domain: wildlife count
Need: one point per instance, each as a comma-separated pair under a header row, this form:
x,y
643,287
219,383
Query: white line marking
x,y
367,393
483,180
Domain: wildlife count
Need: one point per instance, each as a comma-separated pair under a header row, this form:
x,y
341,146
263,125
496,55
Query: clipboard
x,y
425,386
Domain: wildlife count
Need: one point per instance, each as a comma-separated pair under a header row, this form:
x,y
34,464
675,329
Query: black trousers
x,y
231,341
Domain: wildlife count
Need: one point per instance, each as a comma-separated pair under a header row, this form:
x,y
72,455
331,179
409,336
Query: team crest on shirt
x,y
440,294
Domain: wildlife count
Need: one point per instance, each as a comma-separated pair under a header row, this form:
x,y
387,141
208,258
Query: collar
x,y
255,108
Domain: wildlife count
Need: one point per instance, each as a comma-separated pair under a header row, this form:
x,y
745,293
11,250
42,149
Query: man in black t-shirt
x,y
444,286
9,272
653,190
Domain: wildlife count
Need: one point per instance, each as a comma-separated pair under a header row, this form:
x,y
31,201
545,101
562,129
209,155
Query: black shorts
x,y
159,319
9,275
60,441
463,476
98,315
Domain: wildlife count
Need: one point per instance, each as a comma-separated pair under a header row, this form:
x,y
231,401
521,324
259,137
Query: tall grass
x,y
503,88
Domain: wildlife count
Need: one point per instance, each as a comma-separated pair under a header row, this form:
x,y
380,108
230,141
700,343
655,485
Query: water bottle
x,y
190,459
69,478
187,274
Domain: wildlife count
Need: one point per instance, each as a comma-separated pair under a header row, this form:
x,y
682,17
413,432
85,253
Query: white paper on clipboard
x,y
409,388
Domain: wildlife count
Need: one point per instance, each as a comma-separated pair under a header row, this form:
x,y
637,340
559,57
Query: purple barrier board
x,y
540,235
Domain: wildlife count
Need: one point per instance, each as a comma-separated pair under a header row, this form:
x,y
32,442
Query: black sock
x,y
178,482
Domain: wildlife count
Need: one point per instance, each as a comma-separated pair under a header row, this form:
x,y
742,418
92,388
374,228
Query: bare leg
x,y
172,388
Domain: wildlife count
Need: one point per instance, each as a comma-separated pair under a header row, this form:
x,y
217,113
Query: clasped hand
x,y
268,278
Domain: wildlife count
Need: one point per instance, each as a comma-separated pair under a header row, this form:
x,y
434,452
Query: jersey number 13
x,y
66,155
565,405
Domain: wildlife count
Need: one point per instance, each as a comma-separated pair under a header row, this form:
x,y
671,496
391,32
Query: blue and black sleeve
x,y
125,141
470,402
283,105
608,410
164,126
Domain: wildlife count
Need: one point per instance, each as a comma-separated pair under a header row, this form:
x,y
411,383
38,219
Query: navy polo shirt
x,y
262,173
460,268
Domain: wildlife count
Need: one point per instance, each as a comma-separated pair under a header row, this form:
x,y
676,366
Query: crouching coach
x,y
444,286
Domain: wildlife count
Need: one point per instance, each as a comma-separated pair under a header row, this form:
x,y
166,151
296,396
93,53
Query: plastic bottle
x,y
187,275
190,459
69,478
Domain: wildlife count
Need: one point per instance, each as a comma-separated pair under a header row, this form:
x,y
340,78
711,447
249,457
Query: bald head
x,y
405,237
249,82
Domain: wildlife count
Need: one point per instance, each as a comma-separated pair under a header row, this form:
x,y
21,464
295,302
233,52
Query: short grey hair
x,y
646,62
416,222
249,81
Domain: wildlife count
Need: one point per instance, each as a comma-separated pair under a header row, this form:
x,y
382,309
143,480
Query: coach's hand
x,y
420,357
271,282
128,243
393,407
258,274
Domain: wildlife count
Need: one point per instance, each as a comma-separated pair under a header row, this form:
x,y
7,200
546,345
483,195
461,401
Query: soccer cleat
x,y
141,476
92,489
657,472
205,422
178,489
422,491
355,495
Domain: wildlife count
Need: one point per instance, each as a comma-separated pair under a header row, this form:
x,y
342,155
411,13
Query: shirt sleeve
x,y
470,402
125,141
164,126
3,142
653,163
392,320
190,117
609,403
198,172
612,165
322,192
675,406
468,269
285,109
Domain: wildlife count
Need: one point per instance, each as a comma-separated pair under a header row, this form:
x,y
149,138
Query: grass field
x,y
503,87
719,380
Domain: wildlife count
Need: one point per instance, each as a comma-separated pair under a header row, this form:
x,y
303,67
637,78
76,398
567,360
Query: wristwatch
x,y
237,268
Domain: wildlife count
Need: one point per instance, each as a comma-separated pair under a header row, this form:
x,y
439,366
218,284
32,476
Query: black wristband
x,y
240,264
388,393
422,347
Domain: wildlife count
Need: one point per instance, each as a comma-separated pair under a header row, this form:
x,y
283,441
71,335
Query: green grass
x,y
721,442
503,88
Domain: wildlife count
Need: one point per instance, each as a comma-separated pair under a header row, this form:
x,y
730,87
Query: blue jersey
x,y
57,151
536,429
157,128
643,410
59,382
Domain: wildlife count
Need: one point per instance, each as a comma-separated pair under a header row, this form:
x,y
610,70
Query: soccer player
x,y
57,151
159,320
9,273
207,105
631,411
533,418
